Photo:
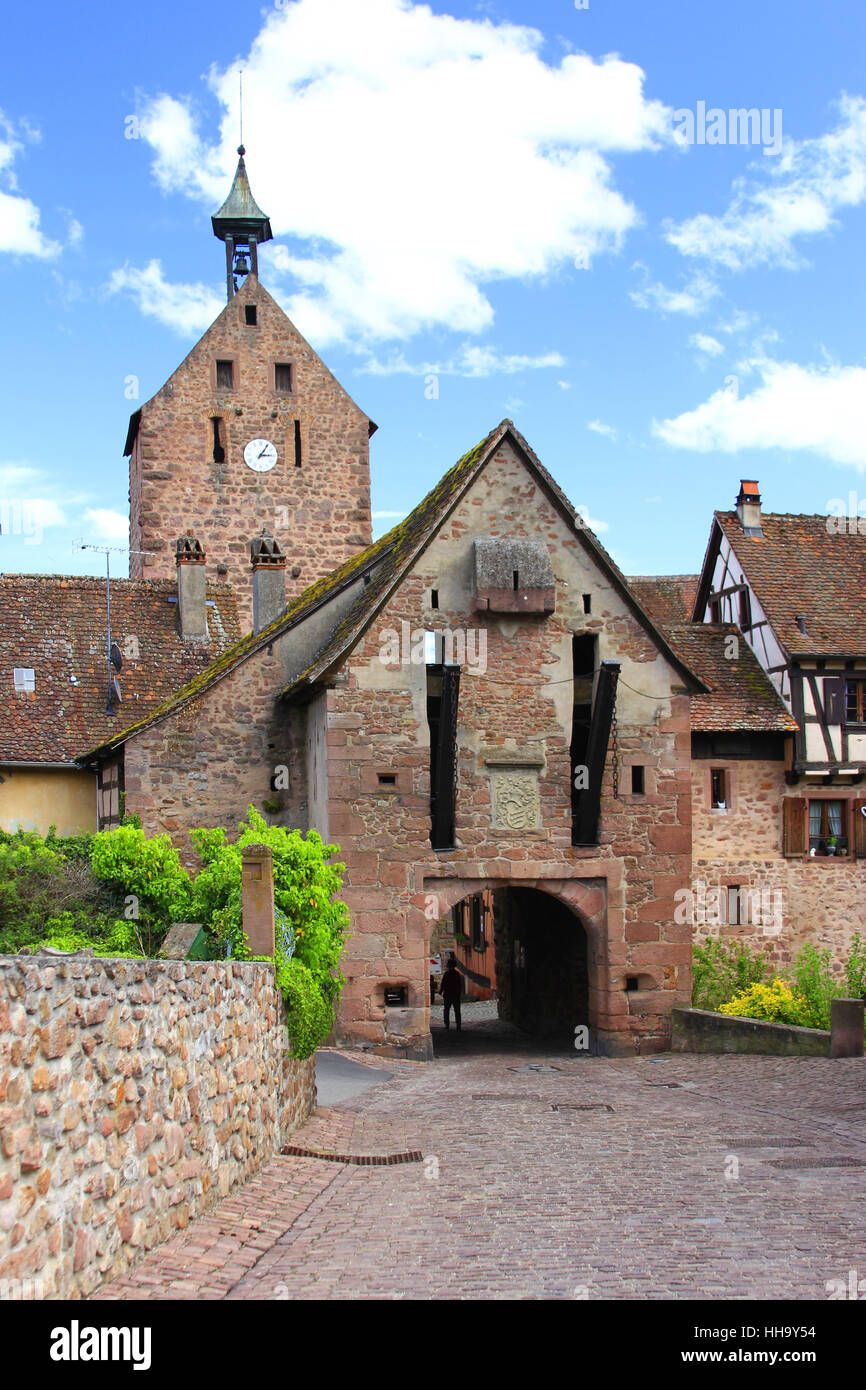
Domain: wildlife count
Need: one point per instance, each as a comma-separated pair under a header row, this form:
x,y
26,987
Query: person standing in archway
x,y
451,989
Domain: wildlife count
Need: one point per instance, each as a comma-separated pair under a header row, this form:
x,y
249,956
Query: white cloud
x,y
600,428
691,298
187,309
469,361
388,139
819,409
20,233
705,343
590,521
107,525
564,385
788,197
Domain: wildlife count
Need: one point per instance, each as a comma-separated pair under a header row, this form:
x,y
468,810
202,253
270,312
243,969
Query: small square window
x,y
719,789
251,314
24,678
225,375
282,376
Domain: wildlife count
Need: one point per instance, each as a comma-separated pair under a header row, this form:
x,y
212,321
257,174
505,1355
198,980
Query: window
x,y
826,824
745,610
637,778
719,789
387,779
587,603
251,314
735,918
855,701
282,376
443,691
434,598
225,375
219,452
478,942
715,611
515,580
297,443
24,678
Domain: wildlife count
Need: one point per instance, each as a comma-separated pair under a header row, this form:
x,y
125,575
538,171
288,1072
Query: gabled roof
x,y
56,626
413,535
251,289
669,598
741,697
799,568
382,565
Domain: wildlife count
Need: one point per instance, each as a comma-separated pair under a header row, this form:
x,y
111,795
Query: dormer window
x,y
745,610
24,679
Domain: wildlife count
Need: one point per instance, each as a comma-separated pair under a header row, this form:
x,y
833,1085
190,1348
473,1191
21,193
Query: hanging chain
x,y
615,750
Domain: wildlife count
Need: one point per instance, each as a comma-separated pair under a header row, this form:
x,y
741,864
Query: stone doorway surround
x,y
590,889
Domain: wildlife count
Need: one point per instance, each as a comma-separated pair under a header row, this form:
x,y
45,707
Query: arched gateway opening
x,y
524,959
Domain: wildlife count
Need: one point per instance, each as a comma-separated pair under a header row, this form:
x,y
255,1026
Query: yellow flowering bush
x,y
775,1002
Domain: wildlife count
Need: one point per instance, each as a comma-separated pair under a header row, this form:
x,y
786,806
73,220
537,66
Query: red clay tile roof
x,y
56,626
669,598
797,568
742,697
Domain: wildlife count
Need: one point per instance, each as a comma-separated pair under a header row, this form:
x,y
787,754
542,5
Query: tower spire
x,y
242,225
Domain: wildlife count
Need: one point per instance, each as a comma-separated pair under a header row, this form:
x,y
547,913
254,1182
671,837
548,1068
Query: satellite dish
x,y
115,657
115,687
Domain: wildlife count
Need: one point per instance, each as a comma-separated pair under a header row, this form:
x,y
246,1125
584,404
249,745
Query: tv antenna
x,y
115,659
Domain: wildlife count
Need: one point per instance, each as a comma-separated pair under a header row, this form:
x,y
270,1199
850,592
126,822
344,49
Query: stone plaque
x,y
515,799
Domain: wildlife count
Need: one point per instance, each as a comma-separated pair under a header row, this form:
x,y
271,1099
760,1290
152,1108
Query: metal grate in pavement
x,y
366,1160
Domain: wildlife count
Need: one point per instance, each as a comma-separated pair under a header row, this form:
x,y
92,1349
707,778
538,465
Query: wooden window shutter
x,y
795,826
834,699
860,829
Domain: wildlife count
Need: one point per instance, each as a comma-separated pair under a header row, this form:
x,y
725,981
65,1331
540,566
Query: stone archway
x,y
557,979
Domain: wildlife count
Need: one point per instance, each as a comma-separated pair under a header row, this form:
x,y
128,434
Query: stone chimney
x,y
191,589
269,580
749,507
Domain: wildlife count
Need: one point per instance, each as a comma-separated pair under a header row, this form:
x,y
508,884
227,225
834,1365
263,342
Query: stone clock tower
x,y
250,433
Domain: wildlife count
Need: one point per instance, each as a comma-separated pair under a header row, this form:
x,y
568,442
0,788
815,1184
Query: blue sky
x,y
503,196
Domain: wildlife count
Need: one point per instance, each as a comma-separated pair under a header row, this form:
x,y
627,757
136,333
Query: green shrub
x,y
723,969
148,874
310,1015
855,968
816,984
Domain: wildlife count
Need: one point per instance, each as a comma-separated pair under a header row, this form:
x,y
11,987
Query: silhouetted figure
x,y
451,989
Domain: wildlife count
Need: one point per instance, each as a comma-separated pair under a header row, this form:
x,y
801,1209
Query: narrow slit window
x,y
637,778
719,789
515,579
283,376
434,598
587,603
219,452
745,611
298,444
251,314
734,900
225,375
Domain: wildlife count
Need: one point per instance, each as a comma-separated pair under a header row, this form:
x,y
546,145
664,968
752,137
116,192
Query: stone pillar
x,y
846,1028
191,589
257,899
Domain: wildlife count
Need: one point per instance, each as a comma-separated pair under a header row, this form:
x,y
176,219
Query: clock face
x,y
260,455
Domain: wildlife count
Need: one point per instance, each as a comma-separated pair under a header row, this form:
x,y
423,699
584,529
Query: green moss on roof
x,y
393,549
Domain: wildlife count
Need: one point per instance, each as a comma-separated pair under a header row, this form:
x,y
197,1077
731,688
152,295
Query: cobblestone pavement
x,y
678,1177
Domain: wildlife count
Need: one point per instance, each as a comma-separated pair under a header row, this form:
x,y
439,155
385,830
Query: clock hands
x,y
265,450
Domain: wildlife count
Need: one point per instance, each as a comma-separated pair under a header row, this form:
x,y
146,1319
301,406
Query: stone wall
x,y
133,1095
818,900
